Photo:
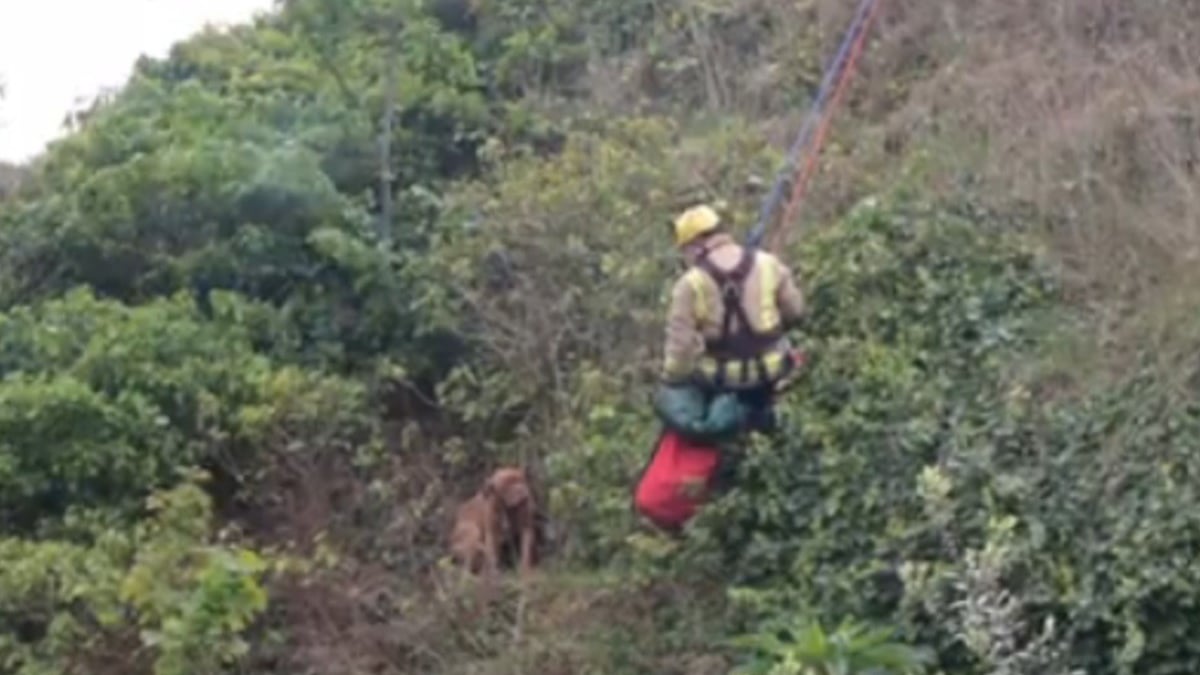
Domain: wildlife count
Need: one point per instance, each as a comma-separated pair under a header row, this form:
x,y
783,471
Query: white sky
x,y
57,54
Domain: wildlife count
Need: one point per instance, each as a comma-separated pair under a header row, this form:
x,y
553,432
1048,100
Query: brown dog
x,y
503,509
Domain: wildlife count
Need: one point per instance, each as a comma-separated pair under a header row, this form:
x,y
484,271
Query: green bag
x,y
683,408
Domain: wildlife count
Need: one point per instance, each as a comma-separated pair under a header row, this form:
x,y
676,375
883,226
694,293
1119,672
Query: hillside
x,y
275,307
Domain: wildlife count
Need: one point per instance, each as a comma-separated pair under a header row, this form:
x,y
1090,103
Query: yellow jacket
x,y
771,301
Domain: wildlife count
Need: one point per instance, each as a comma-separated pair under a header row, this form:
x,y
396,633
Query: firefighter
x,y
728,314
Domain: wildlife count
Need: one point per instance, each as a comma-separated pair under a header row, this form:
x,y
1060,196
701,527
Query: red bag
x,y
676,481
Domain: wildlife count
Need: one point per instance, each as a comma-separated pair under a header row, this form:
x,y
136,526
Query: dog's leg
x,y
527,541
491,560
521,523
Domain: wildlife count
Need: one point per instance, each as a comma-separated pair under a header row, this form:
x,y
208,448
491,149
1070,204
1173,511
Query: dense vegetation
x,y
271,309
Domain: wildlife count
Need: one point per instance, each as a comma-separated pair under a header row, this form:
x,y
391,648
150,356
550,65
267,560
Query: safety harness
x,y
744,344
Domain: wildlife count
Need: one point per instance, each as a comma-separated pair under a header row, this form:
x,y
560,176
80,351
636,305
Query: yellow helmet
x,y
694,222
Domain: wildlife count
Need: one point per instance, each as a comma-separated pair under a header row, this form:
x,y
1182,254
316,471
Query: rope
x,y
839,70
801,185
793,156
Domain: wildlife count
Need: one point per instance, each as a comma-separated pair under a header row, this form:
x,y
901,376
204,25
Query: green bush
x,y
247,161
66,606
101,403
801,648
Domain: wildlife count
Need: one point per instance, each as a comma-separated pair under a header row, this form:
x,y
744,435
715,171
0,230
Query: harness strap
x,y
741,347
745,343
730,286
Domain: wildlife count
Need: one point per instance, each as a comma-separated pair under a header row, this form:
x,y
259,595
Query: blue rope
x,y
755,237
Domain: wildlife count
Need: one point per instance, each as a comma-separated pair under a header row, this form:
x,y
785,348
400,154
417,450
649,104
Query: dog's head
x,y
509,485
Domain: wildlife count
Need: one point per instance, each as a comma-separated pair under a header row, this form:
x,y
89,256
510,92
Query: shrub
x,y
102,403
66,605
803,648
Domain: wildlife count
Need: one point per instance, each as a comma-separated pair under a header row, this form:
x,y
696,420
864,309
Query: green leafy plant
x,y
194,601
806,648
165,586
